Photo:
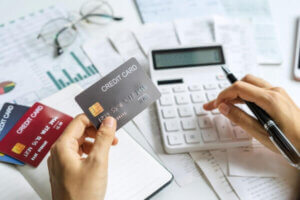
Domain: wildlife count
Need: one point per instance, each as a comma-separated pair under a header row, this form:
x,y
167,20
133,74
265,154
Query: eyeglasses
x,y
62,32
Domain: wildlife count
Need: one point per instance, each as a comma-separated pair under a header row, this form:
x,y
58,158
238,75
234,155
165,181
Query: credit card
x,y
33,135
9,116
122,94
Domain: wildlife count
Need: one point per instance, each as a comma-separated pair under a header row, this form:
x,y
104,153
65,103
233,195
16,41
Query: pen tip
x,y
225,69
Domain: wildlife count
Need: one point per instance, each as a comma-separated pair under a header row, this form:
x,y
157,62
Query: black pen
x,y
277,137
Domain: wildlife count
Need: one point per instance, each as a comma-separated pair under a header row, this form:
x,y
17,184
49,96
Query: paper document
x,y
212,170
194,31
249,188
168,10
156,35
268,51
238,42
221,158
181,165
212,162
258,162
29,63
103,55
128,47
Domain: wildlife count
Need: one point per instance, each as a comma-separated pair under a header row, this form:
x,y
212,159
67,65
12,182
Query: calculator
x,y
188,77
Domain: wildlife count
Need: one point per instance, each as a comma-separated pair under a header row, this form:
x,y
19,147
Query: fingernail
x,y
224,108
109,122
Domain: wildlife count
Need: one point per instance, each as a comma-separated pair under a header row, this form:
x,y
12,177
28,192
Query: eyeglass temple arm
x,y
59,49
103,15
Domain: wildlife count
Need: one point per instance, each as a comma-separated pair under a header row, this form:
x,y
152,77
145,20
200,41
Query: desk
x,y
284,16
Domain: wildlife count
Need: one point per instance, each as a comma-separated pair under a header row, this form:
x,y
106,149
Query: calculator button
x,y
193,88
179,89
168,113
175,139
209,135
185,111
205,122
199,110
197,97
171,125
223,128
188,124
211,95
210,86
240,133
165,90
221,77
166,100
224,85
215,111
192,138
182,99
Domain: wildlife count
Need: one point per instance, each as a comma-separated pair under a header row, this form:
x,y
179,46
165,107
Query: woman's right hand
x,y
274,100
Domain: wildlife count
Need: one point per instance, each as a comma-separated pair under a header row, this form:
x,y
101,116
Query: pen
x,y
277,137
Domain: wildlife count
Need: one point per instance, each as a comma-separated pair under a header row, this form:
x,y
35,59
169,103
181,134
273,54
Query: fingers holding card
x,y
122,94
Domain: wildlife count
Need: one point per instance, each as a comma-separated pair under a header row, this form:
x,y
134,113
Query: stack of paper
x,y
233,180
258,11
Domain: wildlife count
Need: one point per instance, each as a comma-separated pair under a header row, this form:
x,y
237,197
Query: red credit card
x,y
32,137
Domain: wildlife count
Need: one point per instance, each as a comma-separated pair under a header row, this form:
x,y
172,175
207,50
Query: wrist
x,y
61,192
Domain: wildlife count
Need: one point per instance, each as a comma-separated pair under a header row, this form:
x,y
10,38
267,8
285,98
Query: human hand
x,y
74,177
274,100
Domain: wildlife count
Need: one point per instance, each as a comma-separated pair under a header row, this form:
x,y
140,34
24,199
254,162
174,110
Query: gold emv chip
x,y
96,109
18,148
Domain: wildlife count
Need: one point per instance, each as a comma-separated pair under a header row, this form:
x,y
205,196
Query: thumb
x,y
103,140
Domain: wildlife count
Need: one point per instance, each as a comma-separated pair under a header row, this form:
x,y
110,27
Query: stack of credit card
x,y
27,134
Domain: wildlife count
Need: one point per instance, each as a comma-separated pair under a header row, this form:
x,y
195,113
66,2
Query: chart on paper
x,y
36,73
78,71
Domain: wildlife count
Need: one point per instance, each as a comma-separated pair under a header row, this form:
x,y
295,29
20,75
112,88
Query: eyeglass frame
x,y
59,48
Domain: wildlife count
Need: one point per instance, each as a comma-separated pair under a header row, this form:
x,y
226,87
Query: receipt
x,y
103,55
214,173
194,31
249,188
156,35
258,162
268,51
128,47
238,42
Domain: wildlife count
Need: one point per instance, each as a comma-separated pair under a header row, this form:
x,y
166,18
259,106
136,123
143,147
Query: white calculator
x,y
188,77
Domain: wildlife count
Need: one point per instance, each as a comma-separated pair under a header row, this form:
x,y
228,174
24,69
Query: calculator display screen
x,y
189,57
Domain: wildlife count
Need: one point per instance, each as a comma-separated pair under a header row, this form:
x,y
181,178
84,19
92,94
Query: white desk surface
x,y
284,14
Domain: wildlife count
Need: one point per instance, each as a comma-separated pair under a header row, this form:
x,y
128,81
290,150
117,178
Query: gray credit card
x,y
122,94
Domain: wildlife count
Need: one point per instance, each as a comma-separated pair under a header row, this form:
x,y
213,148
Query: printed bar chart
x,y
80,64
83,73
57,83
